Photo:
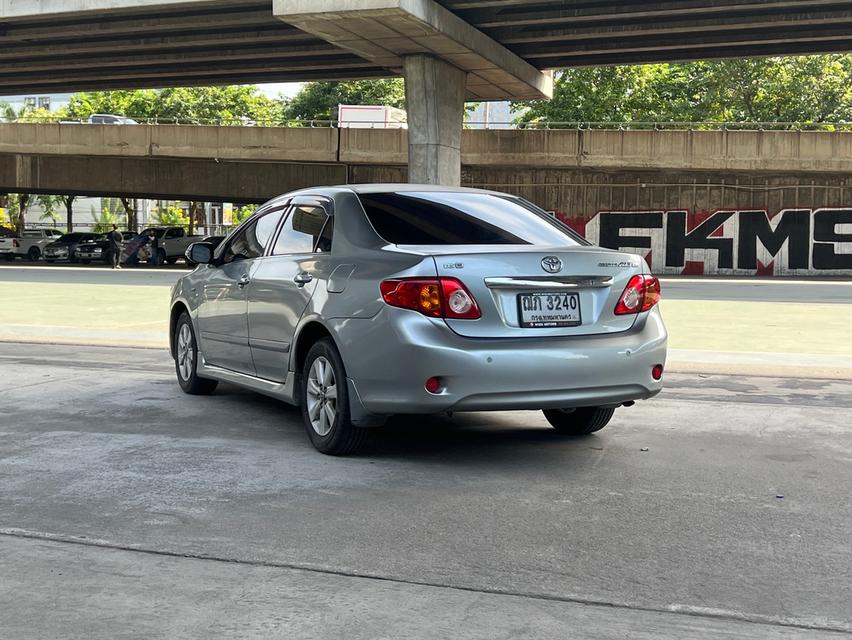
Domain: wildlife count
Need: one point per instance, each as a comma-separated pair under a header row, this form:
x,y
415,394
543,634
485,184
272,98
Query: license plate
x,y
547,310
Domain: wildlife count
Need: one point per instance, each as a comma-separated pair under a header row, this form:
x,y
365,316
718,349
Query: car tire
x,y
186,360
161,256
324,399
171,260
33,254
10,257
579,422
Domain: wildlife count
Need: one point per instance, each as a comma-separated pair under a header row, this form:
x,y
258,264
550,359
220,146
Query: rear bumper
x,y
389,358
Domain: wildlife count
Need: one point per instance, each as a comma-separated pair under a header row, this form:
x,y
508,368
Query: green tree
x,y
802,89
109,216
227,105
241,213
68,203
49,205
319,100
170,216
17,205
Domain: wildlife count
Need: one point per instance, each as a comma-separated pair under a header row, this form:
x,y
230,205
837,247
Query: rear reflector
x,y
641,294
657,372
433,297
433,385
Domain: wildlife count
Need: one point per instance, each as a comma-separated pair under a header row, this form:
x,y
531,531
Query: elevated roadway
x,y
449,50
255,163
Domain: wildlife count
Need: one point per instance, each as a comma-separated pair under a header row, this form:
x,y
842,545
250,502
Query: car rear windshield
x,y
72,237
439,218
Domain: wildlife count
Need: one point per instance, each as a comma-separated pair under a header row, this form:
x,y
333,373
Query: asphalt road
x,y
751,289
719,510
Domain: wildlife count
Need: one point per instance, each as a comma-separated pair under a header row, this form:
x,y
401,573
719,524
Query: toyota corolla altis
x,y
360,302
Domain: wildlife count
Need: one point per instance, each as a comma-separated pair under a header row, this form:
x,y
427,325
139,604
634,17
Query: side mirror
x,y
199,253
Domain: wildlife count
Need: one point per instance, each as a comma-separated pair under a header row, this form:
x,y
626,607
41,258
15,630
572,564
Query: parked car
x,y
109,118
361,302
30,244
99,248
173,242
65,247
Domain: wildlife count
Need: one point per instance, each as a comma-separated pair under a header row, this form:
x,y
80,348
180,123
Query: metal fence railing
x,y
471,124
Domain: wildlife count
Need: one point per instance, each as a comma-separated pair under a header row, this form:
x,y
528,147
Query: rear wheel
x,y
186,360
33,254
579,422
325,402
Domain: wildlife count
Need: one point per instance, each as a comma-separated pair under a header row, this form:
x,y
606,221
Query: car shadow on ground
x,y
462,436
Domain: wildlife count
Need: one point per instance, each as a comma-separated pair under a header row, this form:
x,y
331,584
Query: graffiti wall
x,y
729,242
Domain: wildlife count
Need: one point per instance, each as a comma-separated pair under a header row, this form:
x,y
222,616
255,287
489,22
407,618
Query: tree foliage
x,y
170,216
319,100
805,89
228,105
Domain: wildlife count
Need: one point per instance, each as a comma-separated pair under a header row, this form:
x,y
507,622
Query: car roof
x,y
387,187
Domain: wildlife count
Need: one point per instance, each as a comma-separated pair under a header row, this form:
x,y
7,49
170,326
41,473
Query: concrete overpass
x,y
254,163
448,50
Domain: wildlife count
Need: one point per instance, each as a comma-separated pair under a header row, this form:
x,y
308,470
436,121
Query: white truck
x,y
360,116
29,244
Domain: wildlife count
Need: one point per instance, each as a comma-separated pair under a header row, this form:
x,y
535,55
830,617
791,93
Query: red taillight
x,y
433,297
640,294
433,385
657,372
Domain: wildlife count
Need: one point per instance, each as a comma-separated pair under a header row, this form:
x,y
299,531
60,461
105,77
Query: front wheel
x,y
186,360
325,402
33,254
580,421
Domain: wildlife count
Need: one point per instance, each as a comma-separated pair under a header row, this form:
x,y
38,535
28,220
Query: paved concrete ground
x,y
128,510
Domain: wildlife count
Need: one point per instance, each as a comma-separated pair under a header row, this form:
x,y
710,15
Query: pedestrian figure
x,y
115,238
154,246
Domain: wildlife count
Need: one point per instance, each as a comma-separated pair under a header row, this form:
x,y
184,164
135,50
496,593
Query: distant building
x,y
49,101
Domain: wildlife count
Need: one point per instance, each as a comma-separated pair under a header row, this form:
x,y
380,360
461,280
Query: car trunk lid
x,y
537,293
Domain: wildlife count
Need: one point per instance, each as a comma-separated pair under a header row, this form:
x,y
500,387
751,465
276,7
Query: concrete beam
x,y
386,31
161,177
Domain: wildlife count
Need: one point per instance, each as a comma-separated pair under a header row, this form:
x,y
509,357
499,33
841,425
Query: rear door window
x,y
459,218
307,229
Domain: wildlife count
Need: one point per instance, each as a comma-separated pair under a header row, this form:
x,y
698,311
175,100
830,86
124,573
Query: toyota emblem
x,y
551,264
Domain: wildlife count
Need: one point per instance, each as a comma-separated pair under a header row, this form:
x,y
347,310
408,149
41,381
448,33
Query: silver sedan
x,y
360,302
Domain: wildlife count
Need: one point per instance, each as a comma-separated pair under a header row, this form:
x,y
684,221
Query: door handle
x,y
303,278
243,281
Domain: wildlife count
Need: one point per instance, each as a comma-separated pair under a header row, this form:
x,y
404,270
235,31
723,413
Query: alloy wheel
x,y
185,352
322,396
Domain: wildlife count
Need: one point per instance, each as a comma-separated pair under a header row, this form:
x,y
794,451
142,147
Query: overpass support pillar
x,y
434,99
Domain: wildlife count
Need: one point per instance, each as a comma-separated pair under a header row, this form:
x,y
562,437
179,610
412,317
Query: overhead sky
x,y
286,89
